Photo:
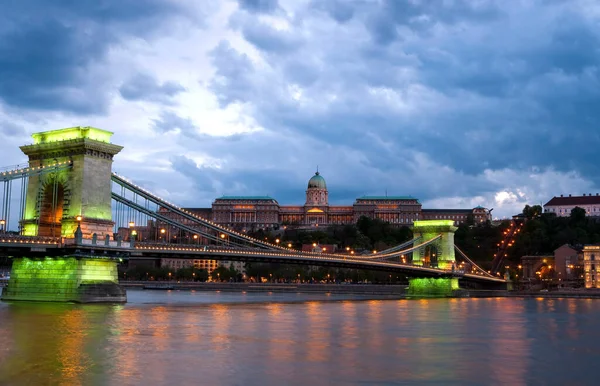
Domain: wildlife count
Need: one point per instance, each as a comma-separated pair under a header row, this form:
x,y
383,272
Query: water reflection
x,y
266,339
58,344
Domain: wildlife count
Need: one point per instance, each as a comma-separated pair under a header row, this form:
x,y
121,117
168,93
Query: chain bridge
x,y
67,220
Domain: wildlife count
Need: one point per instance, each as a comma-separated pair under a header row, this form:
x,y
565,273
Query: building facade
x,y
591,265
563,205
250,213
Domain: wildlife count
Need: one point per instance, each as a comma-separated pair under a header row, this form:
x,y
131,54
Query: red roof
x,y
574,200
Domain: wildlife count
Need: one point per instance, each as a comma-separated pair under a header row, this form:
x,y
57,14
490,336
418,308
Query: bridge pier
x,y
433,287
65,279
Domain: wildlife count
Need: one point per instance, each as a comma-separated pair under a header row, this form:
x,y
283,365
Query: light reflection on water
x,y
244,339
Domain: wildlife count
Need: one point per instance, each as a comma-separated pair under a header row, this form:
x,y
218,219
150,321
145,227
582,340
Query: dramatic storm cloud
x,y
457,102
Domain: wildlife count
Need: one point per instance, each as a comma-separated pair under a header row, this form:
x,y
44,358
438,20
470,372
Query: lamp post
x,y
2,225
196,238
223,239
162,234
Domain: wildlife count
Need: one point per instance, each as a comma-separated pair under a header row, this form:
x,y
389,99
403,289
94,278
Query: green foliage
x,y
544,234
293,273
531,212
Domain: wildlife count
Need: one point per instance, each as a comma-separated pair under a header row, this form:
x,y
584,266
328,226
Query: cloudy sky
x,y
457,102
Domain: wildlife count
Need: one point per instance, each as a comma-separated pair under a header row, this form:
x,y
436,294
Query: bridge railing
x,y
99,243
11,238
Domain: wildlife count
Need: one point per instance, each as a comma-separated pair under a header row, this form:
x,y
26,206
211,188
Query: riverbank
x,y
358,289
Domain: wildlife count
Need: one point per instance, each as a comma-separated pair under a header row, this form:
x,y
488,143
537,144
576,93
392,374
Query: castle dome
x,y
317,181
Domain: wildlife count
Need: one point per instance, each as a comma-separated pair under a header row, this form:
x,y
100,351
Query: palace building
x,y
563,205
245,213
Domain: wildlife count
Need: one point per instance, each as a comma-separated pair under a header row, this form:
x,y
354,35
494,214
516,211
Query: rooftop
x,y
387,198
256,198
72,133
574,200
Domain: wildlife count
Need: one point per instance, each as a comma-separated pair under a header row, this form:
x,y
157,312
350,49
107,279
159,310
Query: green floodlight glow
x,y
72,133
56,279
432,286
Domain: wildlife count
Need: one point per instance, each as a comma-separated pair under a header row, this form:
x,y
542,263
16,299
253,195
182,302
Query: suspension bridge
x,y
67,220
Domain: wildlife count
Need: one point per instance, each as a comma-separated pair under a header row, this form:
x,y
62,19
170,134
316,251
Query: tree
x,y
577,216
221,273
531,212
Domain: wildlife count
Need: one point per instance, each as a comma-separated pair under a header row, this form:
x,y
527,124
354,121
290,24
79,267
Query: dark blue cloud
x,y
11,130
468,84
169,121
420,16
47,47
259,6
340,11
146,87
268,39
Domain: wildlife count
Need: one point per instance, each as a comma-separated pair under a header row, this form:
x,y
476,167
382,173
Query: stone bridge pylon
x,y
71,197
440,253
78,189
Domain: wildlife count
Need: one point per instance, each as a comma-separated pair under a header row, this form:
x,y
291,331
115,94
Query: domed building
x,y
316,206
316,193
264,212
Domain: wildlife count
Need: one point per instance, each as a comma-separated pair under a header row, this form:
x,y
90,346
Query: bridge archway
x,y
440,253
51,210
430,256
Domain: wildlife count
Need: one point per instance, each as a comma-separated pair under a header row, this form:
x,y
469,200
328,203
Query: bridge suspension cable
x,y
190,216
166,219
409,250
464,255
398,247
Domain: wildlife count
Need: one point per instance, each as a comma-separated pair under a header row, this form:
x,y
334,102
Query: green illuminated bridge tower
x,y
80,189
72,200
438,254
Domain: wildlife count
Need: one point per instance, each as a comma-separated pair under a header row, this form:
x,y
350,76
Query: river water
x,y
216,338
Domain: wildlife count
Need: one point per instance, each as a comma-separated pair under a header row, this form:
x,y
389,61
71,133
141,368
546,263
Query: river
x,y
216,338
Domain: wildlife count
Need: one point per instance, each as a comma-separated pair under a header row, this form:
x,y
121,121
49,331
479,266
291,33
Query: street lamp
x,y
277,241
196,238
162,234
289,245
131,224
2,225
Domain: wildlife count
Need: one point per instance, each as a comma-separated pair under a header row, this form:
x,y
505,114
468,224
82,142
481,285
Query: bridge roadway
x,y
46,247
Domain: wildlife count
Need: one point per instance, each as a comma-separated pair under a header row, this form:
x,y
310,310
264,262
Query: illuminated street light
x,y
277,241
78,218
289,245
131,224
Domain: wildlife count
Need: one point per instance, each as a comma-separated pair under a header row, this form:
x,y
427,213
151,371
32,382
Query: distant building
x,y
250,213
591,265
568,262
563,205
